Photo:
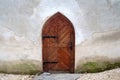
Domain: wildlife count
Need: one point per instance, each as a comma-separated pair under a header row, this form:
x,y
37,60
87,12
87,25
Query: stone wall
x,y
96,24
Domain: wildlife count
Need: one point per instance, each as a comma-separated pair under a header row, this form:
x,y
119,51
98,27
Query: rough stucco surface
x,y
96,24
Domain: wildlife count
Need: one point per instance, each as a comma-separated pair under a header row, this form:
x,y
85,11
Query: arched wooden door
x,y
58,44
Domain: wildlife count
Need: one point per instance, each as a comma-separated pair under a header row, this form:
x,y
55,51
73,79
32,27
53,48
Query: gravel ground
x,y
15,77
48,76
44,76
106,75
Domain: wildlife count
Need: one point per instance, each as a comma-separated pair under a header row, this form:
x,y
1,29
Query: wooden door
x,y
58,44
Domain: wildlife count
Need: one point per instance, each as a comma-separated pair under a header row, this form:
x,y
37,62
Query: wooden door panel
x,y
58,44
53,55
50,42
64,56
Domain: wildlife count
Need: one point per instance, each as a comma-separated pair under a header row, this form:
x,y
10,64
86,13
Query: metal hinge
x,y
49,36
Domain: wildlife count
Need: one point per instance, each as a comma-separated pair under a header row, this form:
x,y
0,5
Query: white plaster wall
x,y
96,24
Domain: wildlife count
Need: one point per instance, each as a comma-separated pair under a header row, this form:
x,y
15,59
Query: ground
x,y
113,74
15,77
106,75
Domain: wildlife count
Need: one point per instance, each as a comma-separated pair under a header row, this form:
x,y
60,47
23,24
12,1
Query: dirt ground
x,y
106,75
15,77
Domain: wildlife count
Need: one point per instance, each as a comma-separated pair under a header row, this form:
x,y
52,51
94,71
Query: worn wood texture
x,y
58,44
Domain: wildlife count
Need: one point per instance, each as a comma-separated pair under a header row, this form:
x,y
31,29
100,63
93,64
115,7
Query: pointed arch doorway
x,y
58,44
